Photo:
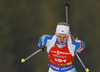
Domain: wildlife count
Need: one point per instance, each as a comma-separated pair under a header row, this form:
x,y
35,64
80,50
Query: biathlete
x,y
61,49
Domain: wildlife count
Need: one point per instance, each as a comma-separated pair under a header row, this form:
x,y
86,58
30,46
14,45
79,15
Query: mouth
x,y
61,42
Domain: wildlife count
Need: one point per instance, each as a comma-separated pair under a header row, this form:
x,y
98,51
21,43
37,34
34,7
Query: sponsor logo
x,y
54,46
60,68
59,52
59,56
62,31
69,63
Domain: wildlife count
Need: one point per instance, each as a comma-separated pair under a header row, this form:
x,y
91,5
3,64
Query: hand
x,y
43,49
41,46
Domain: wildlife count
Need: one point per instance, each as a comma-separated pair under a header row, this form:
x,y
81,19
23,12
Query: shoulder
x,y
79,45
46,36
76,41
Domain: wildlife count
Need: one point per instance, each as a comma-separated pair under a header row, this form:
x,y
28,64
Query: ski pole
x,y
23,60
86,69
67,4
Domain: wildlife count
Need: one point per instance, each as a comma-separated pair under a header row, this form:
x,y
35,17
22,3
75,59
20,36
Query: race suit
x,y
59,57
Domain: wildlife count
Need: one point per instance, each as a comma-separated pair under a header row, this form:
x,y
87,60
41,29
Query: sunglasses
x,y
64,36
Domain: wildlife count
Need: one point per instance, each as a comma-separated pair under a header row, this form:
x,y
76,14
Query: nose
x,y
62,38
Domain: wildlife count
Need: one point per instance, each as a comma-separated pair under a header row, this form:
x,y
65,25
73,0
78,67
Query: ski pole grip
x,y
67,4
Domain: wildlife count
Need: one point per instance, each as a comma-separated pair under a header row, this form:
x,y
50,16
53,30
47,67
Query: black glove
x,y
43,48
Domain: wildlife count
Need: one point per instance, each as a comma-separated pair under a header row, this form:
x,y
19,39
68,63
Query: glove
x,y
43,49
41,43
40,46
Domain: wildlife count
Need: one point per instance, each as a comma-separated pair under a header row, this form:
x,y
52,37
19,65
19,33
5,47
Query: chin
x,y
61,43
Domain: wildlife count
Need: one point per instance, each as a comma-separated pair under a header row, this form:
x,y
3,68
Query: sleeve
x,y
44,39
79,45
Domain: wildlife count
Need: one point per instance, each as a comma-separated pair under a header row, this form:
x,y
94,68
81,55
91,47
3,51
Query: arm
x,y
44,40
79,45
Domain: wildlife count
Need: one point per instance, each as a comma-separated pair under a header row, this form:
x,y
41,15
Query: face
x,y
61,38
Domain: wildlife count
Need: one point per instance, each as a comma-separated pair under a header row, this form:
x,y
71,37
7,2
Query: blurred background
x,y
22,22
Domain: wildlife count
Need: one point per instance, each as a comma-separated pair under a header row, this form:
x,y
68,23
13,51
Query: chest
x,y
59,51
